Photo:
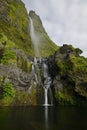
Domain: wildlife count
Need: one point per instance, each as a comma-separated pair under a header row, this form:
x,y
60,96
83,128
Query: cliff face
x,y
17,52
69,72
14,24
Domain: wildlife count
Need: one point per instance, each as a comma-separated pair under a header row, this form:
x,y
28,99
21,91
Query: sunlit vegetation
x,y
64,99
8,93
14,24
70,61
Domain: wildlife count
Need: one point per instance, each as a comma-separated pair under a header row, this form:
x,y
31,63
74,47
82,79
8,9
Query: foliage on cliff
x,y
15,45
14,24
16,48
46,46
69,61
72,76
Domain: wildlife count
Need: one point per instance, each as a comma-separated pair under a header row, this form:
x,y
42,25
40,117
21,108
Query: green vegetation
x,y
23,98
79,64
8,90
7,47
73,75
14,24
33,96
24,64
8,93
9,57
69,60
64,99
1,80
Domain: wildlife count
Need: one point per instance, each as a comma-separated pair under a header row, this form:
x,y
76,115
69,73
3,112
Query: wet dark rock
x,y
16,76
58,84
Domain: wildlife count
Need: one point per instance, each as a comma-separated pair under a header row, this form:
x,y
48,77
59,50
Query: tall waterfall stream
x,y
40,70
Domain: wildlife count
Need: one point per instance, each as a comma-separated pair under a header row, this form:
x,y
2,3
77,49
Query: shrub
x,y
8,90
8,57
64,99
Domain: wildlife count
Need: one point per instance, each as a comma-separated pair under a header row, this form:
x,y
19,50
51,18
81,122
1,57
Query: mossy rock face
x,y
70,75
14,24
17,51
22,98
81,88
64,99
7,93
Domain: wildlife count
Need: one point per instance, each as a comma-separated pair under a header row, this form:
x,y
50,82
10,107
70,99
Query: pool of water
x,y
43,118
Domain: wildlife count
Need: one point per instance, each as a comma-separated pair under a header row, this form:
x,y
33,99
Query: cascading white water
x,y
47,82
45,69
46,96
34,37
47,88
40,73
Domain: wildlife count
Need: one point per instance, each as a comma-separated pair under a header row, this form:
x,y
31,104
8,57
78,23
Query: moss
x,y
33,96
8,90
14,24
73,75
29,66
64,99
6,101
12,55
24,98
8,94
26,65
21,98
9,57
68,60
79,64
9,53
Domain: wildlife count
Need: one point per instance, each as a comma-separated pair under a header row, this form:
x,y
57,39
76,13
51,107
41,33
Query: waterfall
x,y
47,83
45,67
35,71
42,78
47,90
34,37
46,96
40,70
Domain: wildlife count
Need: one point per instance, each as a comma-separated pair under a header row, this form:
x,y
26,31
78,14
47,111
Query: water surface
x,y
43,118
